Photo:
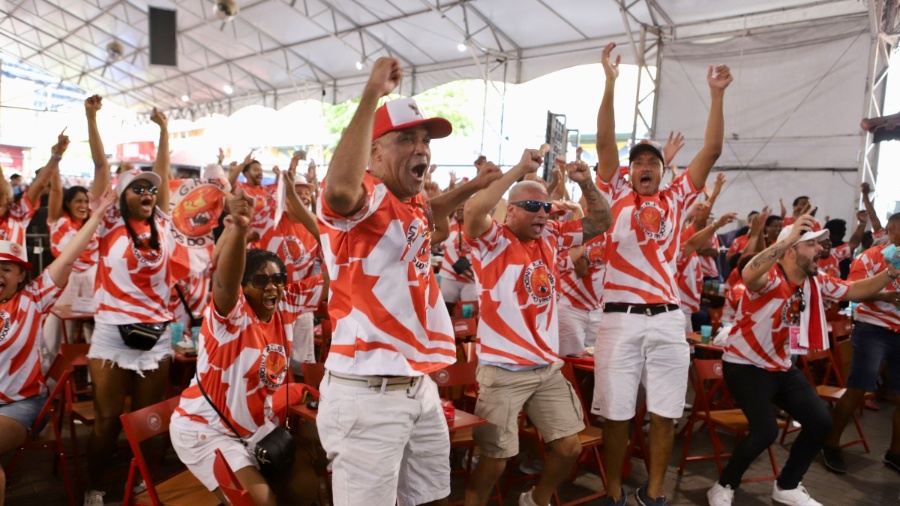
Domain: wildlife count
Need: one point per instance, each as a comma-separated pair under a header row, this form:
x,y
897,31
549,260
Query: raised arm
x,y
478,208
344,193
754,273
446,203
55,202
232,255
161,166
47,174
714,137
870,209
101,164
296,211
699,239
869,288
60,269
862,219
235,169
607,150
597,217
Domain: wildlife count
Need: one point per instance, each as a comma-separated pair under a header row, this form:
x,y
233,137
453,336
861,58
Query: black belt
x,y
646,309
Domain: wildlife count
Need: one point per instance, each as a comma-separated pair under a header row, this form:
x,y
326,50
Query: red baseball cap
x,y
404,113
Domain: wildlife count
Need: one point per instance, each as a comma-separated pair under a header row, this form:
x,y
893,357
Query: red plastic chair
x,y
313,373
229,483
54,409
181,489
706,376
591,439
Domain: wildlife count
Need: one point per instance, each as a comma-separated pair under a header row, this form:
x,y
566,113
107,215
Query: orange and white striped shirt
x,y
263,205
760,336
13,225
734,291
518,325
134,284
688,276
20,339
739,244
61,232
293,244
583,293
242,361
454,248
883,314
390,317
643,241
708,266
830,265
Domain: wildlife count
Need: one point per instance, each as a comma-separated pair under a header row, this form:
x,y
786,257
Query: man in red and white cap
x,y
782,313
641,336
380,418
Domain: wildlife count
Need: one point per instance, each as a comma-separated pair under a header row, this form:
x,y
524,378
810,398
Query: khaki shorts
x,y
549,401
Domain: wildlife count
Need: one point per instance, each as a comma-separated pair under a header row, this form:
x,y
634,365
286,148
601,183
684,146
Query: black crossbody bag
x,y
462,264
274,453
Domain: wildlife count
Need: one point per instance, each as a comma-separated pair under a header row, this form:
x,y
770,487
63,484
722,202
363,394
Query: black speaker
x,y
163,40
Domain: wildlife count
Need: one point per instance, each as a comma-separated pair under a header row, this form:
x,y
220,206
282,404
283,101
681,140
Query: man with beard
x,y
782,312
518,338
380,417
253,188
641,335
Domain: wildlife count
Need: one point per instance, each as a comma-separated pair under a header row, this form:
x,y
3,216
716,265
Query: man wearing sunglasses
x,y
641,337
782,313
380,418
518,337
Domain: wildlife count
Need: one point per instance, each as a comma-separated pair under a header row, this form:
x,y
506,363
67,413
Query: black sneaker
x,y
892,460
609,501
834,461
645,500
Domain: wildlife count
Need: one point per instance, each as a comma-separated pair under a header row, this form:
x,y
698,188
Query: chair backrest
x,y
568,372
76,353
460,374
841,329
229,483
53,403
468,349
826,358
313,372
465,327
140,426
707,379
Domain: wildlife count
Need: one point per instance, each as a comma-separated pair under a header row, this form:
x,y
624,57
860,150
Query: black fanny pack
x,y
461,265
274,453
142,336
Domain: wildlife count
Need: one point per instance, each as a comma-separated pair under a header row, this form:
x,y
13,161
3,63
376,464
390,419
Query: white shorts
x,y
107,344
385,448
196,443
303,349
688,327
633,349
577,328
455,291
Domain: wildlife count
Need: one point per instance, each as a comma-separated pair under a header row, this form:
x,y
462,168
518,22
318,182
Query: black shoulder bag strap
x,y
186,306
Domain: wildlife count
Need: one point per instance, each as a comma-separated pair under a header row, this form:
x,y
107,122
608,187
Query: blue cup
x,y
177,332
467,310
195,334
705,333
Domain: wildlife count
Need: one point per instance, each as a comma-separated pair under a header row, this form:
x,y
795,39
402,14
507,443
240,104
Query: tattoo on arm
x,y
598,217
769,255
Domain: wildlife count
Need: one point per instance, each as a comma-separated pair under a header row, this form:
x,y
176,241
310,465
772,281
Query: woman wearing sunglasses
x,y
243,358
131,346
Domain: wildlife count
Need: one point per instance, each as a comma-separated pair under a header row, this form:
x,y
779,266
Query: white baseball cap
x,y
404,113
126,178
14,252
300,180
808,236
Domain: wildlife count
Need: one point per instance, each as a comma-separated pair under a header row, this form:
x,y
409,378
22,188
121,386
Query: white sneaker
x,y
526,499
93,498
719,495
795,497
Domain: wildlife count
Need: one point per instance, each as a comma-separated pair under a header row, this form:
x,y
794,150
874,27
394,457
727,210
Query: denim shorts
x,y
872,345
25,411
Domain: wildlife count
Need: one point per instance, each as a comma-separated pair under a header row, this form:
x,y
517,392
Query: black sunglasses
x,y
533,206
260,280
140,190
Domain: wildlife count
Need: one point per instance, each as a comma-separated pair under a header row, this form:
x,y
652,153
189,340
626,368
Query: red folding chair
x,y
181,489
591,438
53,409
706,376
313,373
229,484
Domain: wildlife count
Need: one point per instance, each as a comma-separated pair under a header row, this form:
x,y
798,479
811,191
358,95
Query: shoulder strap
x,y
221,416
184,302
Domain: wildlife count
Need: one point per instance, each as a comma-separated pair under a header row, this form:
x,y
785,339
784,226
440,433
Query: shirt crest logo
x,y
652,220
273,366
539,282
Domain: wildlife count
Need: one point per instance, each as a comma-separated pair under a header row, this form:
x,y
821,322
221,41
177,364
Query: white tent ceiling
x,y
278,51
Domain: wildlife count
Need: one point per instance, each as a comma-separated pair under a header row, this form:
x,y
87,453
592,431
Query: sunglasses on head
x,y
140,190
260,280
533,206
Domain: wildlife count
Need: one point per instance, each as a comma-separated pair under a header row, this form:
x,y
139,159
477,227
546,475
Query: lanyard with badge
x,y
796,305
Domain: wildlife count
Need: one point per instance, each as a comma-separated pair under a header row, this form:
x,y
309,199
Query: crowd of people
x,y
618,275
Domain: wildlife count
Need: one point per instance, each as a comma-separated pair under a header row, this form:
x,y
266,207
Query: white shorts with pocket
x,y
577,328
196,443
632,349
385,448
